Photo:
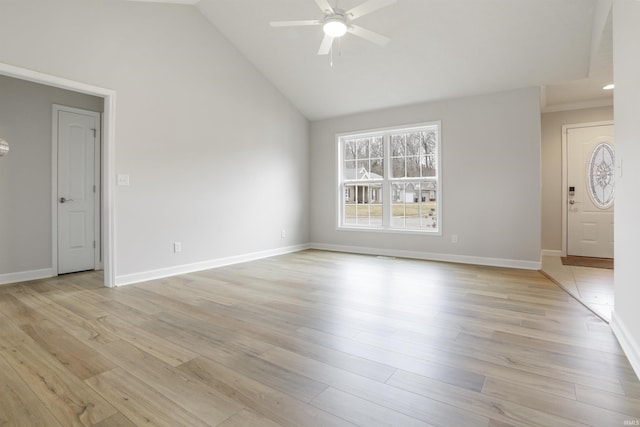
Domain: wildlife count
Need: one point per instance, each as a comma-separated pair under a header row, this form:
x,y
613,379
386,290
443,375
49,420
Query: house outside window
x,y
389,180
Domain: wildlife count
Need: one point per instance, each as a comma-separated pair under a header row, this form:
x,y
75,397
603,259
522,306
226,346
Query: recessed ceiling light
x,y
609,86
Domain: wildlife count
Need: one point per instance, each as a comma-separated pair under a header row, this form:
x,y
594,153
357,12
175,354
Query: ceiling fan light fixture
x,y
335,27
4,147
337,22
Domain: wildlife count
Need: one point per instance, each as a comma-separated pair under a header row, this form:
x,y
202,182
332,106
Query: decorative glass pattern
x,y
601,174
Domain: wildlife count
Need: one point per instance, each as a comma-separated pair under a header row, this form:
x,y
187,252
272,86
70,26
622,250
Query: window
x,y
390,179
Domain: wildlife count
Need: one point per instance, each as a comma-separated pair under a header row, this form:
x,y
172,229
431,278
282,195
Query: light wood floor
x,y
311,339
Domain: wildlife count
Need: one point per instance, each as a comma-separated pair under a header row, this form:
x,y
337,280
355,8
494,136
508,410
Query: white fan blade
x,y
325,46
295,23
325,7
368,7
376,38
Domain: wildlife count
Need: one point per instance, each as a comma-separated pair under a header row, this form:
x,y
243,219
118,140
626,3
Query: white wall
x,y
490,172
25,174
552,168
626,61
216,155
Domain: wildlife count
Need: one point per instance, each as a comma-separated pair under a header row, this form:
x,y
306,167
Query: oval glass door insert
x,y
600,175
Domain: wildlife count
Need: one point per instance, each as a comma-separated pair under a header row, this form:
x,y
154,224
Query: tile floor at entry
x,y
591,286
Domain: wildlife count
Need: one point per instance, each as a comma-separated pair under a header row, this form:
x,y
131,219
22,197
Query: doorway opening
x,y
592,283
107,171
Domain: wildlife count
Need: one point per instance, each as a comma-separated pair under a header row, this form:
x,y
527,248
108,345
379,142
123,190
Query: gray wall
x,y
25,173
491,180
217,157
552,168
626,61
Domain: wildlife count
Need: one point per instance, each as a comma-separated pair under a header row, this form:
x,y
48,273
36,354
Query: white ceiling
x,y
439,49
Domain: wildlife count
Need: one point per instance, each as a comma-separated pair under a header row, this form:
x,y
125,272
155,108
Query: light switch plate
x,y
619,166
123,180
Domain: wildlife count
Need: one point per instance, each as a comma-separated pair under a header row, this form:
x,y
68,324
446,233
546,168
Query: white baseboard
x,y
128,279
551,252
23,276
460,259
144,276
629,344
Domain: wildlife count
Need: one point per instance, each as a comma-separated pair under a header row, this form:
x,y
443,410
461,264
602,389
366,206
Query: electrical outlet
x,y
283,234
177,247
454,238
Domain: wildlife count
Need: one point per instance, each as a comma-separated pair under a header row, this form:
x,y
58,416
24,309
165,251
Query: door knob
x,y
571,202
64,200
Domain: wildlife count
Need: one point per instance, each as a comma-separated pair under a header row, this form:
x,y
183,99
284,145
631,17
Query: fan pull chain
x,y
331,56
331,51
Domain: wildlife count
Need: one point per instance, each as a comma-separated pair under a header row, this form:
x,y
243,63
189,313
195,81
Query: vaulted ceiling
x,y
439,49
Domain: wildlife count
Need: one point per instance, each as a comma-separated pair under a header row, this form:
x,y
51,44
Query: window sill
x,y
390,230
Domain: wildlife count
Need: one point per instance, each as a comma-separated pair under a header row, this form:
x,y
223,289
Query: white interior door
x,y
591,182
78,151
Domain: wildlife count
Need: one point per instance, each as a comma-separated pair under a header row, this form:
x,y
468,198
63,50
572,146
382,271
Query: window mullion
x,y
387,197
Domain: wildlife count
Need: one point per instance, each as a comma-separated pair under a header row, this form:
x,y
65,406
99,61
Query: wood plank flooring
x,y
311,339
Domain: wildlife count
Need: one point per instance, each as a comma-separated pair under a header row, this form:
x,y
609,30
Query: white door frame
x,y
565,179
107,155
97,258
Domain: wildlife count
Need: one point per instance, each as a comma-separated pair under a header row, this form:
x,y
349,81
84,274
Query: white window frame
x,y
388,180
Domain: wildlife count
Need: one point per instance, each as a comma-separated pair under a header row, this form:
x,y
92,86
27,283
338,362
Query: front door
x,y
78,154
591,181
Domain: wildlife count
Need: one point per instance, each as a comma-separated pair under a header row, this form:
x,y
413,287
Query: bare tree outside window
x,y
414,154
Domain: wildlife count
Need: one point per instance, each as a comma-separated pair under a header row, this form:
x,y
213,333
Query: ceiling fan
x,y
337,22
